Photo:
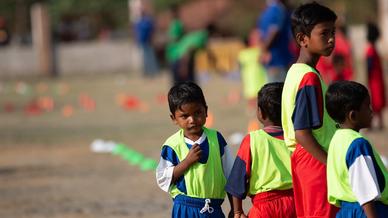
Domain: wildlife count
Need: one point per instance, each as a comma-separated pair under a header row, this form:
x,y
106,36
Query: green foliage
x,y
114,13
161,5
110,13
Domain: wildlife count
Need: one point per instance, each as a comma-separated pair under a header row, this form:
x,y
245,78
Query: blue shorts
x,y
185,206
354,210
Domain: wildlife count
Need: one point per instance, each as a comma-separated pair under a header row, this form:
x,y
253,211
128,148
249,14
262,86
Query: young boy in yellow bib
x,y
307,126
262,169
356,176
195,161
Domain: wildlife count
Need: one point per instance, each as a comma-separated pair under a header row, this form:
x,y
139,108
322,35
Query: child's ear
x,y
352,115
301,39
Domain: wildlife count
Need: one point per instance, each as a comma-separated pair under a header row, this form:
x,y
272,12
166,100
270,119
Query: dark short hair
x,y
269,100
183,93
343,97
306,16
373,32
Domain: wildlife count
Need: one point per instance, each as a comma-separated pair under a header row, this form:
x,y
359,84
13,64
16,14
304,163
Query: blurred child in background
x,y
339,68
375,74
252,72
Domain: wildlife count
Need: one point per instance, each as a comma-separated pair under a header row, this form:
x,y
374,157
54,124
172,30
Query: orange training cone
x,y
209,120
253,125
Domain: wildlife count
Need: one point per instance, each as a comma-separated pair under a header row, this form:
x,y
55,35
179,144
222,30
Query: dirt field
x,y
48,170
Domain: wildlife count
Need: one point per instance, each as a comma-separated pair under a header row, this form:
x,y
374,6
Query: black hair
x,y
306,16
343,97
183,93
269,100
373,32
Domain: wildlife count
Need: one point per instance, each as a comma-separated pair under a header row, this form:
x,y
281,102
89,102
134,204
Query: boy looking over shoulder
x,y
307,127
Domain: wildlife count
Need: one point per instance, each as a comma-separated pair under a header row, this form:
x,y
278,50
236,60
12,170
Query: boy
x,y
262,168
195,161
306,124
357,178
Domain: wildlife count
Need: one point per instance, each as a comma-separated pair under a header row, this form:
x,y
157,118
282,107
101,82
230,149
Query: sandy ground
x,y
65,179
41,181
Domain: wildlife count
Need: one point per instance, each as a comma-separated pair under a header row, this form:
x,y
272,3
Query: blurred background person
x,y
375,74
175,33
144,30
252,72
339,68
187,48
274,26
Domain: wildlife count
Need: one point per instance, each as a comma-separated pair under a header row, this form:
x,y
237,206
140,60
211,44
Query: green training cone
x,y
135,158
118,149
148,164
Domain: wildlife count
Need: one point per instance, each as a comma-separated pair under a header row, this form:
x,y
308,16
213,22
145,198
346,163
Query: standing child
x,y
306,124
339,68
195,161
252,72
375,74
262,168
357,178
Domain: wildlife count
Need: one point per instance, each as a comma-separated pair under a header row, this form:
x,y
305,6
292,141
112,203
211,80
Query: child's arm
x,y
369,209
191,158
306,139
237,208
308,115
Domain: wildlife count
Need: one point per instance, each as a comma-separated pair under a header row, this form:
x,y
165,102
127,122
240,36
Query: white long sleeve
x,y
227,161
164,173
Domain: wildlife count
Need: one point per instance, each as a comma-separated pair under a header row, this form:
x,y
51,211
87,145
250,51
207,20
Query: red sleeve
x,y
244,153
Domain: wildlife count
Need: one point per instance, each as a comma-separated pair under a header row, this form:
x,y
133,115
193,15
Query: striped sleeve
x,y
165,168
237,184
308,112
365,176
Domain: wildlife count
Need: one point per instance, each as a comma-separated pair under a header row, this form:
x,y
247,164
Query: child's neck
x,y
193,137
349,126
268,123
308,58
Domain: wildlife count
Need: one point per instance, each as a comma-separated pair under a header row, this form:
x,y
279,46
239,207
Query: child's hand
x,y
240,215
194,154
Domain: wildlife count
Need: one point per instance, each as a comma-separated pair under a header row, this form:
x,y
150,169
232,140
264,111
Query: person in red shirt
x,y
375,74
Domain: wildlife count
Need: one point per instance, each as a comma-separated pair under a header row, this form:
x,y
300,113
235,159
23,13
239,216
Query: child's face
x,y
364,115
191,117
322,39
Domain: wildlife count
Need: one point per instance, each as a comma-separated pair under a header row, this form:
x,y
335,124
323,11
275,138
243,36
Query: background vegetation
x,y
114,14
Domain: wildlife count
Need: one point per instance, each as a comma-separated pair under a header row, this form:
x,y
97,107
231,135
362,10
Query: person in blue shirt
x,y
274,26
144,29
